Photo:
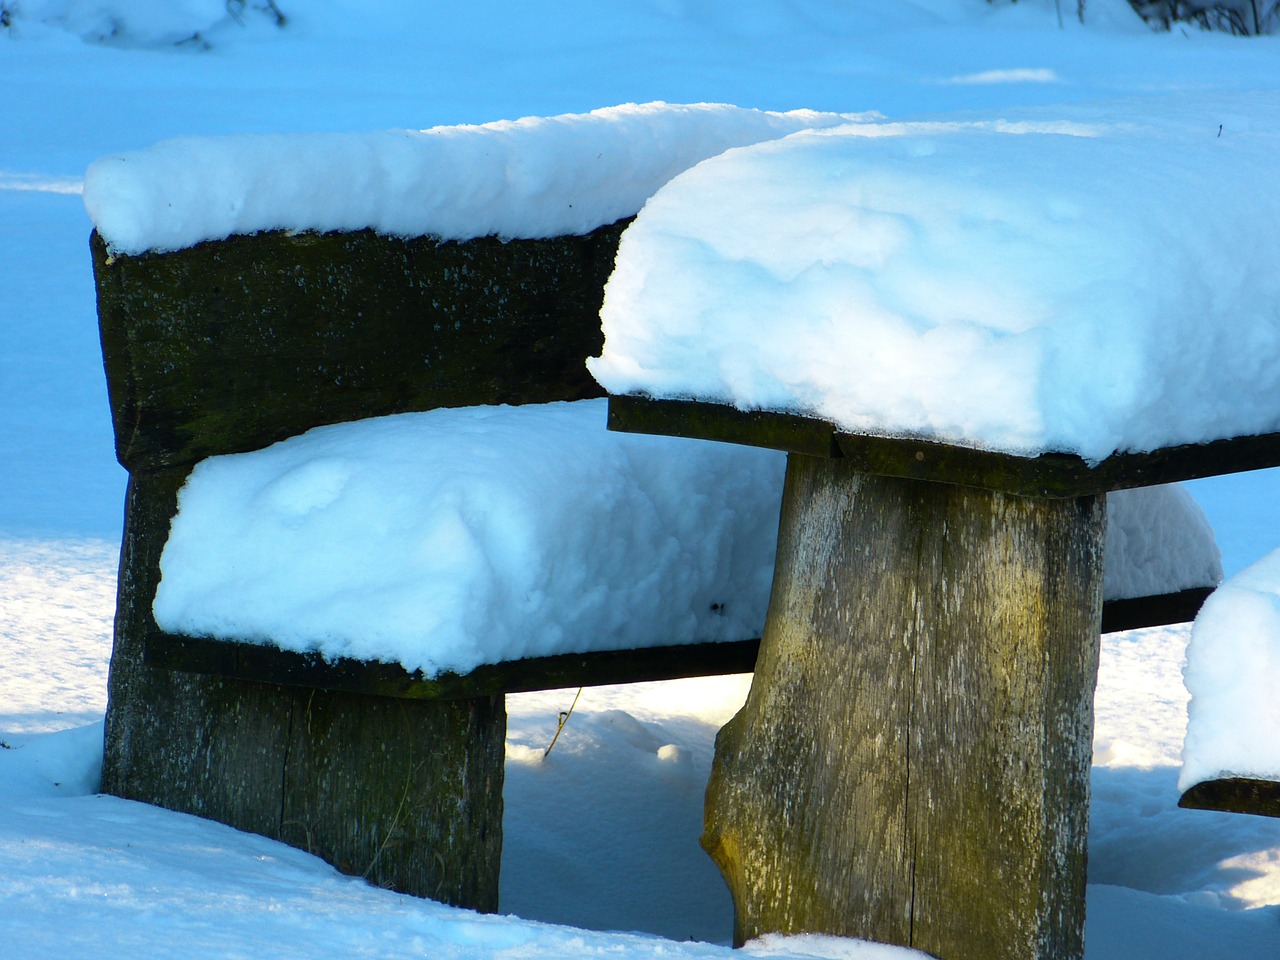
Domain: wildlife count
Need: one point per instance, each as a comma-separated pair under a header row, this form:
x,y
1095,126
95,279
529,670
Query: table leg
x,y
912,763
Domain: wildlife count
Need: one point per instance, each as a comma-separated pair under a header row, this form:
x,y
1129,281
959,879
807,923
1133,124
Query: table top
x,y
1052,475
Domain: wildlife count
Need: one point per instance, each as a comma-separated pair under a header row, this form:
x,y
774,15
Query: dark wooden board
x,y
1235,795
1053,475
271,665
1154,611
231,345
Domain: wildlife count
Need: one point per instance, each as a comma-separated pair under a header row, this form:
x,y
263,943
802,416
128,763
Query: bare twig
x,y
564,718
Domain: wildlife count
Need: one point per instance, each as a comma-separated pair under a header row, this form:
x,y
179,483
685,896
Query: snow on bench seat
x,y
459,537
451,539
1231,755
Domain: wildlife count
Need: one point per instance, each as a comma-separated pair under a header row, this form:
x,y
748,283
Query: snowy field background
x,y
602,834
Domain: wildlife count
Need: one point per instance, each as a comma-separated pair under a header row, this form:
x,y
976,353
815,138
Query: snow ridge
x,y
530,178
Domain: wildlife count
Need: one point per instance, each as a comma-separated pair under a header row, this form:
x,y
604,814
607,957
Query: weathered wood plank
x,y
230,346
272,665
1154,611
716,421
267,664
1235,795
1055,475
408,794
912,762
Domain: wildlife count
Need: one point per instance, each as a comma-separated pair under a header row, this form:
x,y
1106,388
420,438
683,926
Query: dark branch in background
x,y
1243,18
1080,7
236,9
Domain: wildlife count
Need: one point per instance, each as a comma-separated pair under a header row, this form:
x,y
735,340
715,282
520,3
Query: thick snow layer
x,y
529,178
448,539
1158,541
1090,280
1233,675
454,538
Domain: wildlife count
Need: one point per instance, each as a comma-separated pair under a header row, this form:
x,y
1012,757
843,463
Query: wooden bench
x,y
232,345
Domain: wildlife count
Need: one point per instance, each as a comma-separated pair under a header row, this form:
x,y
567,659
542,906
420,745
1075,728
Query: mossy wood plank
x,y
325,771
273,665
234,344
267,664
716,421
1235,795
1056,475
912,762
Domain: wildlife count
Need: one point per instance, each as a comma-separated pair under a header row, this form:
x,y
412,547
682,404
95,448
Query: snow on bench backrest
x,y
531,178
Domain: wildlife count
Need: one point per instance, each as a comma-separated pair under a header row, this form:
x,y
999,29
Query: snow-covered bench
x,y
1231,756
339,598
252,288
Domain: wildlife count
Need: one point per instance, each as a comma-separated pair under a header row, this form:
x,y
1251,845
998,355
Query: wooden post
x,y
407,794
912,763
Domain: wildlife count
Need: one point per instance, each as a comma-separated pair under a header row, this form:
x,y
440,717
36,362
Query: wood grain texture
x,y
1054,475
267,664
273,665
232,345
407,794
1235,795
911,765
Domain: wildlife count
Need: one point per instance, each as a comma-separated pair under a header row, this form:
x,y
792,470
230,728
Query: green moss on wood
x,y
911,765
231,345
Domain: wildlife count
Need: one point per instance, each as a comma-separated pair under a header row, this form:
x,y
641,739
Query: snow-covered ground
x,y
600,835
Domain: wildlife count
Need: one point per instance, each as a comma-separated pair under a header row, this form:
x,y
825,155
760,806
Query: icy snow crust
x,y
455,538
1232,672
530,178
1088,280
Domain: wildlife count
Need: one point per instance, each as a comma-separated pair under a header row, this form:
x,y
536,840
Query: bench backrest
x,y
232,345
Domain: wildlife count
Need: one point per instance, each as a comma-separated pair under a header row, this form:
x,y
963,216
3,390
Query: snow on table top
x,y
460,537
530,178
1232,672
1090,280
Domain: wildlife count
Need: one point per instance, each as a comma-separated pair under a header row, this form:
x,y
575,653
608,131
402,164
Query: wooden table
x,y
912,762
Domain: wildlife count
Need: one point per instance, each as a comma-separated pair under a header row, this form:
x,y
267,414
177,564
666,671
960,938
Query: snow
x,y
1158,541
460,537
992,283
529,178
602,833
1233,675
